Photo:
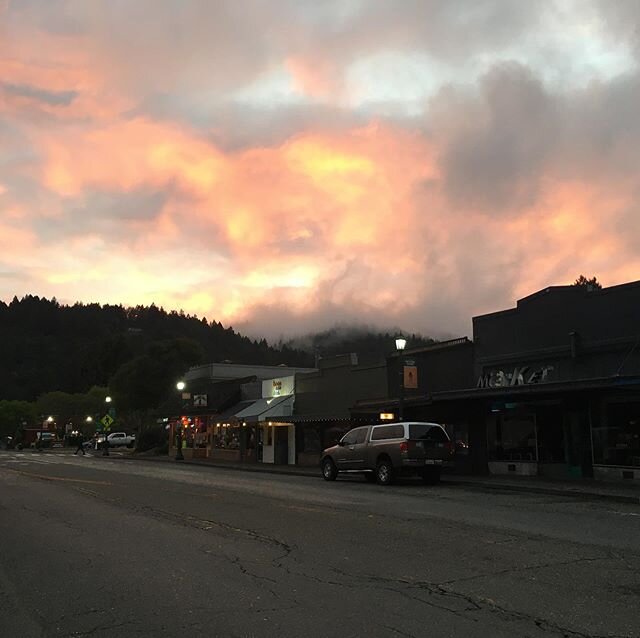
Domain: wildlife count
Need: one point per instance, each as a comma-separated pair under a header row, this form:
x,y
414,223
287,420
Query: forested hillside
x,y
45,346
366,341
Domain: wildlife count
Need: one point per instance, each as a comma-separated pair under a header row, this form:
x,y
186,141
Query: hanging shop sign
x,y
520,375
410,377
199,400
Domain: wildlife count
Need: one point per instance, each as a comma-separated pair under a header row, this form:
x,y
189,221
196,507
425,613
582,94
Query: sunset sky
x,y
283,166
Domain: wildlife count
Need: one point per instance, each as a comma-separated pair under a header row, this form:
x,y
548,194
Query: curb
x,y
549,491
480,486
222,466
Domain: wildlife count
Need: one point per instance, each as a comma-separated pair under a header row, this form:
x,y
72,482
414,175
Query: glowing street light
x,y
401,342
180,386
105,429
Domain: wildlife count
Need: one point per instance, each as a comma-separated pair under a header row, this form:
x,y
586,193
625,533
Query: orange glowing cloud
x,y
128,155
131,176
340,213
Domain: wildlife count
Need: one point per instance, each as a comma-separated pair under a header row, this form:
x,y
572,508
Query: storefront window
x,y
310,442
512,438
334,433
226,436
617,441
200,432
459,435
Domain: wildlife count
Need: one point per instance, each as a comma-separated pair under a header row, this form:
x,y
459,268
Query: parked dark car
x,y
384,452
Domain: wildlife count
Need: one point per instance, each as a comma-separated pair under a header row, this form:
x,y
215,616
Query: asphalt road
x,y
114,547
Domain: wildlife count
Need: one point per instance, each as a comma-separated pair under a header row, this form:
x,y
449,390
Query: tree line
x,y
63,360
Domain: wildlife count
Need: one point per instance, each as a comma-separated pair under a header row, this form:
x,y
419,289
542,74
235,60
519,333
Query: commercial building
x,y
225,410
550,387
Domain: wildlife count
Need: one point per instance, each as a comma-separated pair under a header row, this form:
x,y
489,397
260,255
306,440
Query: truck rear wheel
x,y
384,472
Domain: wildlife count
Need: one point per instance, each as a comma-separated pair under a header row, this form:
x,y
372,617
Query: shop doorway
x,y
564,449
281,445
578,440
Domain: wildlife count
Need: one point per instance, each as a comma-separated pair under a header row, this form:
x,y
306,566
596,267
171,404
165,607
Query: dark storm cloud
x,y
53,98
109,214
498,140
602,132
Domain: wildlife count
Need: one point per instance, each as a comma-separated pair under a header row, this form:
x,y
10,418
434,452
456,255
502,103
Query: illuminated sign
x,y
410,377
386,416
200,400
523,375
280,387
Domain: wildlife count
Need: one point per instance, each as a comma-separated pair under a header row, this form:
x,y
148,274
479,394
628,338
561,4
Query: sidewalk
x,y
580,488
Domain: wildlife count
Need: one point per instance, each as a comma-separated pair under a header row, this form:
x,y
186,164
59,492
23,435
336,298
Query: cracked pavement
x,y
104,547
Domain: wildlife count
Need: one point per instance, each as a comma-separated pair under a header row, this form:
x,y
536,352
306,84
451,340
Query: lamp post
x,y
180,386
105,429
88,421
39,445
400,346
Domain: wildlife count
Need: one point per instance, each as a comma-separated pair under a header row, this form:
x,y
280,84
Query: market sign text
x,y
523,375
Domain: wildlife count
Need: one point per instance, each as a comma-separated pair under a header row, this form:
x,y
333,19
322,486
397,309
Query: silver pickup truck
x,y
383,452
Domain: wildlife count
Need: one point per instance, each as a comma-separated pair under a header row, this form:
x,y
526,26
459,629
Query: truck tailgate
x,y
425,449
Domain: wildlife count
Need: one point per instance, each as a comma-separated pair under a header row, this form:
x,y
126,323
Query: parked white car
x,y
119,439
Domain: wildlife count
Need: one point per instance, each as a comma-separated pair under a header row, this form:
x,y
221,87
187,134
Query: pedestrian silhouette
x,y
79,442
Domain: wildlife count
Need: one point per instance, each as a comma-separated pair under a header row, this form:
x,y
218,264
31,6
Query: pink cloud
x,y
114,190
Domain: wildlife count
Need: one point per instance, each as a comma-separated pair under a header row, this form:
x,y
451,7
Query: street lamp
x,y
105,429
180,386
400,346
39,445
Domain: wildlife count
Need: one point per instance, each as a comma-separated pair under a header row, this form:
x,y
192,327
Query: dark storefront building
x,y
550,387
415,378
224,409
324,398
563,372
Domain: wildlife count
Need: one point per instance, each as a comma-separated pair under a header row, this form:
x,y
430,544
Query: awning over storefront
x,y
263,409
230,413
